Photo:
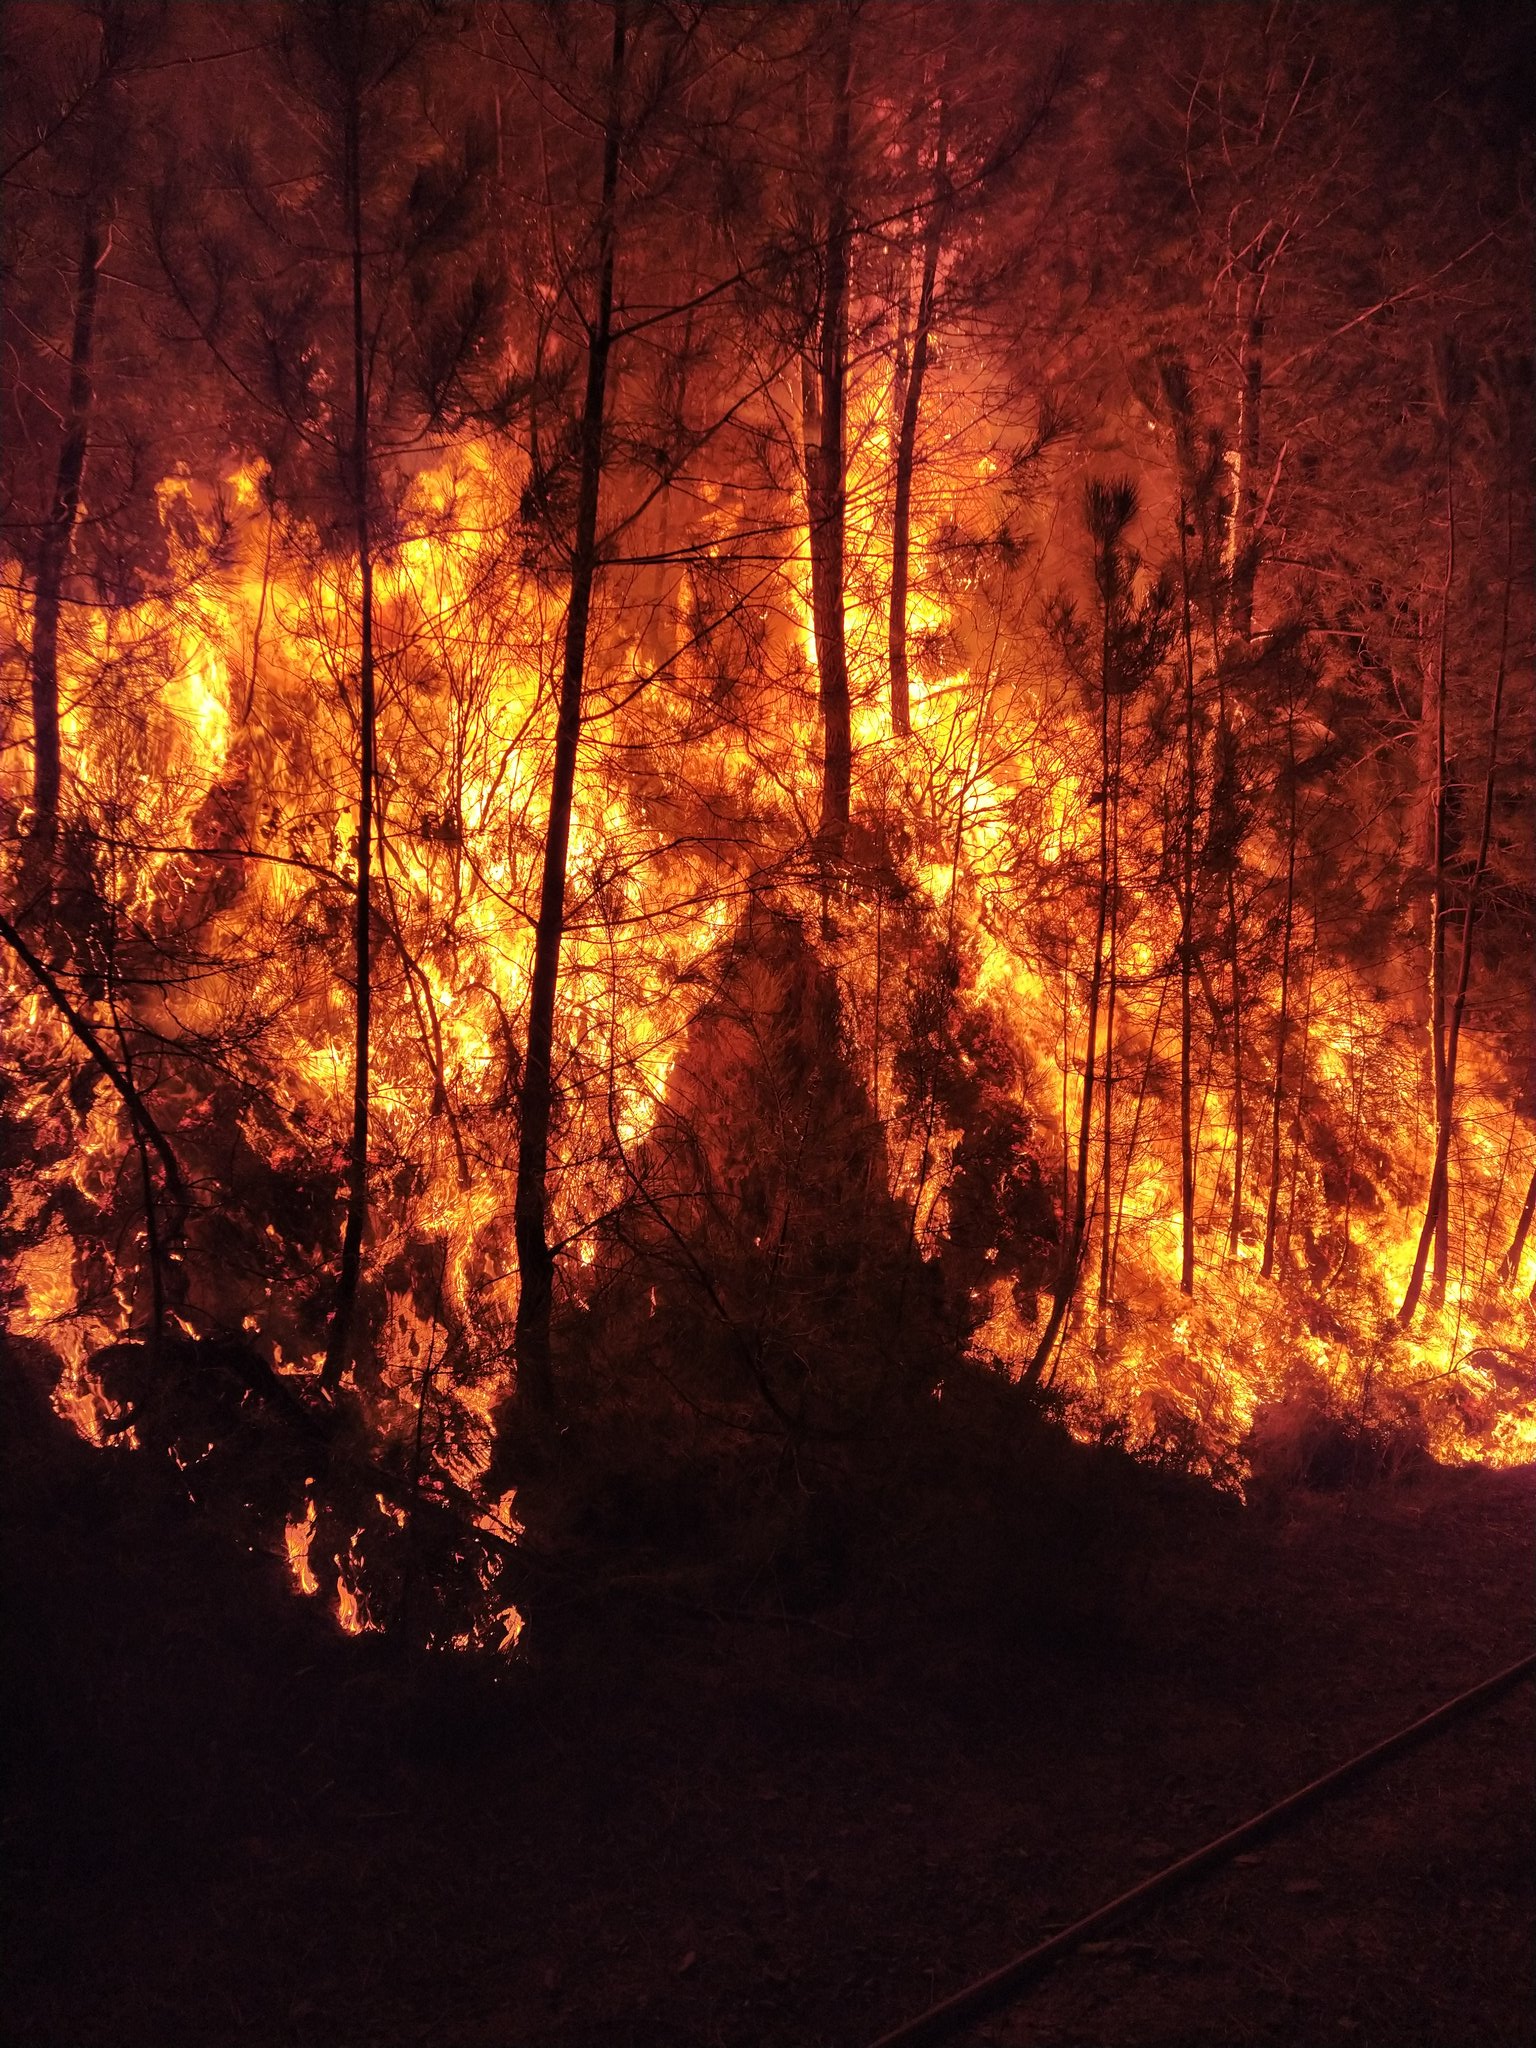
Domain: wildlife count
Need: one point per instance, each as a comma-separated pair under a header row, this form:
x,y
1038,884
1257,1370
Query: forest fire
x,y
230,751
1159,975
766,862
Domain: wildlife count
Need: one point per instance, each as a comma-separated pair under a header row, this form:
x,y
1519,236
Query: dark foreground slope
x,y
224,1823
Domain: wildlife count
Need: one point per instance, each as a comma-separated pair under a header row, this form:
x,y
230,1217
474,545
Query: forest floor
x,y
225,1823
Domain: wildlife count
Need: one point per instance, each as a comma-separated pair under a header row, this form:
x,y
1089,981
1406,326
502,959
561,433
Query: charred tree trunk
x,y
1135,1130
1235,968
906,444
1448,1032
1112,806
1187,932
58,538
1076,1222
1277,1100
339,1340
826,464
1509,1265
1298,1119
1434,1235
1245,499
535,1258
1241,624
1224,793
1228,787
1439,1209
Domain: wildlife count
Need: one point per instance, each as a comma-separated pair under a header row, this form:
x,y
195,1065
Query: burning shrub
x,y
1312,1440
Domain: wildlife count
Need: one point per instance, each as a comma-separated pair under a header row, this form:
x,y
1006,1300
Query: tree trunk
x,y
536,1262
58,538
1235,967
1272,1206
1112,805
1433,727
1135,1131
906,443
1298,1122
1448,1042
1244,532
1226,741
1509,1265
1187,935
826,466
1074,1242
339,1340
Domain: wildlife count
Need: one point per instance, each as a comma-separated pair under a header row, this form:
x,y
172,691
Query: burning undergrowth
x,y
668,874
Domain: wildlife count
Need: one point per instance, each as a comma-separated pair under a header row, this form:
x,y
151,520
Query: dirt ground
x,y
226,1824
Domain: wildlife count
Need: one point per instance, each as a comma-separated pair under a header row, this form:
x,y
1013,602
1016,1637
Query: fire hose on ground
x,y
987,1994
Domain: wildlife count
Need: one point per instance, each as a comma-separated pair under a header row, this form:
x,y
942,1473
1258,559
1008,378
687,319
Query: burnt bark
x,y
1277,1094
1434,1234
1226,752
824,391
1075,1241
1447,1031
1187,930
1245,497
536,1260
1509,1265
1112,884
1235,970
911,400
339,1338
1134,1133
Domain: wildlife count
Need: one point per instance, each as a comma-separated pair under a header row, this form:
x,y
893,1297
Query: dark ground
x,y
226,1824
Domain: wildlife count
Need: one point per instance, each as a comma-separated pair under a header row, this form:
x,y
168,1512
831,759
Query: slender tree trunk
x,y
1356,1111
1226,751
874,1061
1112,805
339,1339
1135,1130
1433,1238
1298,1120
1509,1265
1076,1231
58,536
1187,935
1448,1040
1277,1102
1245,497
153,1248
1235,967
1439,914
826,465
536,1262
906,442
